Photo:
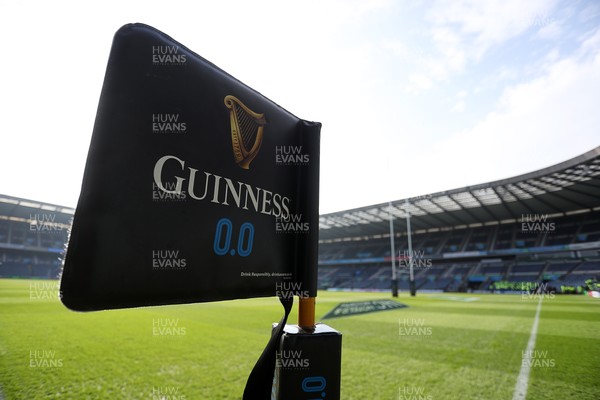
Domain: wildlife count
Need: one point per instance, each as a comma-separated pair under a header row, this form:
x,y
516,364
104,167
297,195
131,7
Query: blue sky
x,y
414,96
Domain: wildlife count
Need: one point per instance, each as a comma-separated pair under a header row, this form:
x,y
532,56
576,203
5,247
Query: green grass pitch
x,y
443,346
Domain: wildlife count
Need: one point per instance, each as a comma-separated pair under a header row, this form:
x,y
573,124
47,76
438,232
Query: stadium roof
x,y
567,188
18,209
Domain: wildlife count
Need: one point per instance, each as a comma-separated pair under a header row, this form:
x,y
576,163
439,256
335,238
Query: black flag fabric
x,y
196,187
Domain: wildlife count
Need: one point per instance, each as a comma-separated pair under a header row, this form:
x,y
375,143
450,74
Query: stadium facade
x,y
540,227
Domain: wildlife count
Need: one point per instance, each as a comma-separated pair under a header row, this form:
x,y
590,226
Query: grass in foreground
x,y
460,349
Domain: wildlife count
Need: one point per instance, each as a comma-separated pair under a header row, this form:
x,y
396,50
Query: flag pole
x,y
413,290
393,253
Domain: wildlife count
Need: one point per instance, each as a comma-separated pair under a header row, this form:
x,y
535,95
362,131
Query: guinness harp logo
x,y
246,131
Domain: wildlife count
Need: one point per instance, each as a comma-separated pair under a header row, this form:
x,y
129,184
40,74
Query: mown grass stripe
x,y
520,392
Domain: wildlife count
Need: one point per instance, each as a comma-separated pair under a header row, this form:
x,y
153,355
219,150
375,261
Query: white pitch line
x,y
520,392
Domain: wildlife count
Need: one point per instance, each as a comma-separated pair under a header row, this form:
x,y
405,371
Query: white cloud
x,y
550,31
450,47
419,82
535,124
464,30
460,104
591,43
490,22
459,107
590,12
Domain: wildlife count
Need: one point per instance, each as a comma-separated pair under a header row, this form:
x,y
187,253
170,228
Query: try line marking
x,y
520,392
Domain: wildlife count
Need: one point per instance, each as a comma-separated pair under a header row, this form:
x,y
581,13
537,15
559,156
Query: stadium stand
x,y
538,228
33,236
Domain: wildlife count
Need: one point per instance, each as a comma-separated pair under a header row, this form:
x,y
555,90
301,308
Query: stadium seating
x,y
468,258
30,253
366,263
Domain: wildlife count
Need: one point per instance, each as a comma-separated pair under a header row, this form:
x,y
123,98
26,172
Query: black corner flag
x,y
196,188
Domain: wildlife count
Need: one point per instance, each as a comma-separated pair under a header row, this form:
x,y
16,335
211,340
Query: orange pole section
x,y
306,312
